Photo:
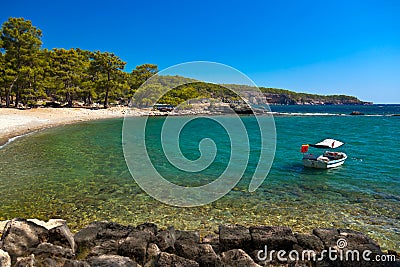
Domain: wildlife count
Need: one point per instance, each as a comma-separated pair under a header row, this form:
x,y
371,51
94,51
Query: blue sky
x,y
326,47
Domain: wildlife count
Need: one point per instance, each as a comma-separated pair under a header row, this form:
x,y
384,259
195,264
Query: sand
x,y
14,122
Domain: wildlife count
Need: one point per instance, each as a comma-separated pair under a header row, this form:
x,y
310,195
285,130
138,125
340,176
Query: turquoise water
x,y
78,172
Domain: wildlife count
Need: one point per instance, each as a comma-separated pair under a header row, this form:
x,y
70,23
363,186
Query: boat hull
x,y
320,164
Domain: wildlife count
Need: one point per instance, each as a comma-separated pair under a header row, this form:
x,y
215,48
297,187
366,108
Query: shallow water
x,y
78,172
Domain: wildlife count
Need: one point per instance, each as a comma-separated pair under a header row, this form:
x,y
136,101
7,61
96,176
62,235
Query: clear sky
x,y
326,47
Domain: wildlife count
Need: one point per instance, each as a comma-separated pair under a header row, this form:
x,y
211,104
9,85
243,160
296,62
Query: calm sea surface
x,y
78,172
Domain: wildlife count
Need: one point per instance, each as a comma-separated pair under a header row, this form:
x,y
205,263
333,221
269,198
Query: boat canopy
x,y
328,143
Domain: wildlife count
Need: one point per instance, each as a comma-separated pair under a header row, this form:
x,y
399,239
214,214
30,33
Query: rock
x,y
356,113
166,259
309,242
111,261
165,239
152,254
274,237
237,257
5,260
45,250
187,236
107,247
50,224
135,245
328,236
233,236
148,227
20,236
97,232
25,261
2,226
202,253
62,236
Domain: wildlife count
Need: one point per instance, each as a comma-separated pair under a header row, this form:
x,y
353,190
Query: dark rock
x,y
135,245
237,257
75,263
356,113
5,260
328,236
233,236
165,239
148,227
45,250
98,232
187,236
20,236
107,247
309,241
152,254
25,261
62,236
202,253
274,237
166,259
111,261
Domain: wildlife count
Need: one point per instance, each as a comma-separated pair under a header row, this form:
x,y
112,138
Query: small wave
x,y
12,139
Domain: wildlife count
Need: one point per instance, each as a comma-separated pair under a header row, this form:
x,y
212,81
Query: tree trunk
x,y
8,98
107,91
69,99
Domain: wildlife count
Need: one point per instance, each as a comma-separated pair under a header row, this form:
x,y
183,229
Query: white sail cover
x,y
328,143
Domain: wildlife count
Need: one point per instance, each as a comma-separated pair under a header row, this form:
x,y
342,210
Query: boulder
x,y
204,254
111,261
237,257
5,260
165,239
108,247
187,236
309,242
46,250
274,237
166,259
234,236
62,236
135,245
20,236
148,227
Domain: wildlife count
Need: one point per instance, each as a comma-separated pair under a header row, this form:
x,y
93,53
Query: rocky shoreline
x,y
37,243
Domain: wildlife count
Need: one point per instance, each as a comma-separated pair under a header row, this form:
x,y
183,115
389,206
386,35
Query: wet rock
x,y
165,239
111,261
166,259
274,237
20,236
5,260
233,236
237,257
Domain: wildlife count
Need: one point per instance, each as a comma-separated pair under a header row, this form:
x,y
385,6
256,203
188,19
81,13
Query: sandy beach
x,y
14,122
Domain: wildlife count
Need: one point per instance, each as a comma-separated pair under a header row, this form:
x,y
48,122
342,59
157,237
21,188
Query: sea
x,y
78,172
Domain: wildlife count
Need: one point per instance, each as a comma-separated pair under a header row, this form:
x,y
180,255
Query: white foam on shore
x,y
12,139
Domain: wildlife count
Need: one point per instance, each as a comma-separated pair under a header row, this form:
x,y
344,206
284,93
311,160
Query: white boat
x,y
328,159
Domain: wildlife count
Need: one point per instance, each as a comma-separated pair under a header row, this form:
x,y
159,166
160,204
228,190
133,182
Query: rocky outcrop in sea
x,y
37,243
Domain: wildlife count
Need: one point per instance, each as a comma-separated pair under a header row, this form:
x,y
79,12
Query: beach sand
x,y
15,122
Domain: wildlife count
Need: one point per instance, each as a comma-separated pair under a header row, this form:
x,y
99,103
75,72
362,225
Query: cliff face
x,y
304,99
